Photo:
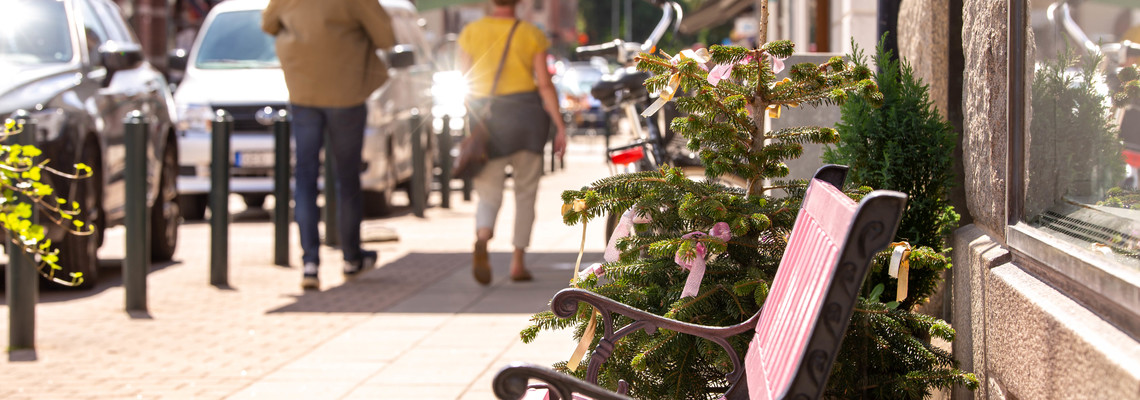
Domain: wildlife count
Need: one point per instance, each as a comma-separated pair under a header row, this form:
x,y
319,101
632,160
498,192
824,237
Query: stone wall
x,y
922,37
985,44
1026,340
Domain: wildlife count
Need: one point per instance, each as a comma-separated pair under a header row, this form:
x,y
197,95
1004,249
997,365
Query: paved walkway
x,y
416,327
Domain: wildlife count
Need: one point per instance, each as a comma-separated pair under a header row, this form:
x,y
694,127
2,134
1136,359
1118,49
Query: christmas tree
x,y
732,90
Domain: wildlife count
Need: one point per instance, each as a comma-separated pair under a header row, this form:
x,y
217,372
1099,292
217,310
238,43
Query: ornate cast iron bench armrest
x,y
512,382
565,305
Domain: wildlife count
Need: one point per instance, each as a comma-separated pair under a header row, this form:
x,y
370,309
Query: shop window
x,y
1075,206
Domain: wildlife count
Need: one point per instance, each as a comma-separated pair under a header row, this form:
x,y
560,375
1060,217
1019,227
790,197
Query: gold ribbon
x,y
587,338
900,268
663,96
587,335
670,90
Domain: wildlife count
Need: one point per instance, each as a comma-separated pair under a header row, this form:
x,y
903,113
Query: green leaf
x,y
875,293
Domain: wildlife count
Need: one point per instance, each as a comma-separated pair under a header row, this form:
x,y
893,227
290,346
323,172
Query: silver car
x,y
233,66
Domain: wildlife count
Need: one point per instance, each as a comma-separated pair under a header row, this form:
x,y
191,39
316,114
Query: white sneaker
x,y
310,280
367,262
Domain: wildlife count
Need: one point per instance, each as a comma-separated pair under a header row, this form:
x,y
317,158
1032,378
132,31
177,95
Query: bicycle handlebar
x,y
1060,14
623,50
617,48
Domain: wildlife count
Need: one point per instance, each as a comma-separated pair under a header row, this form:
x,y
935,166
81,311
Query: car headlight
x,y
195,117
449,92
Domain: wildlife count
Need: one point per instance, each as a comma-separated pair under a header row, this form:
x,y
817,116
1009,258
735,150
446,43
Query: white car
x,y
233,65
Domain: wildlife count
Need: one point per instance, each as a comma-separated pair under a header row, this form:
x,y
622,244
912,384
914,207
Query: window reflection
x,y
1083,145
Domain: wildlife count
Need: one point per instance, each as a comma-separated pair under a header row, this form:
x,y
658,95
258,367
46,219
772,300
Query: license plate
x,y
253,159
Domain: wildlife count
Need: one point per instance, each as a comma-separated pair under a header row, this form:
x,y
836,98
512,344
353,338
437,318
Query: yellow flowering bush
x,y
24,193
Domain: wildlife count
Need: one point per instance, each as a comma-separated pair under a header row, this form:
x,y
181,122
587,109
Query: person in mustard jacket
x,y
328,54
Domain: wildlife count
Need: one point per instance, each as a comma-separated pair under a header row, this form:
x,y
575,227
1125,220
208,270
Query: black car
x,y
78,70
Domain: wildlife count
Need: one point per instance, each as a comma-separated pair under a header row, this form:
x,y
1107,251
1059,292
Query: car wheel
x,y
254,201
79,253
164,216
193,206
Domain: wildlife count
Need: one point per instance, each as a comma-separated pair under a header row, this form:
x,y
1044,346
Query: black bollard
x,y
222,127
137,219
445,163
418,192
332,235
21,283
282,171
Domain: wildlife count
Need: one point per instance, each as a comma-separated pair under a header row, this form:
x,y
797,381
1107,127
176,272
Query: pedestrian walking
x,y
328,54
505,62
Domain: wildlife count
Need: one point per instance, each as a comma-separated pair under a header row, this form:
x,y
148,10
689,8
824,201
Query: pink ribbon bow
x,y
724,71
696,264
623,228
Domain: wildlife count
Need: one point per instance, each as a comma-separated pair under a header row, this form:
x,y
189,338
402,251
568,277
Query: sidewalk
x,y
416,327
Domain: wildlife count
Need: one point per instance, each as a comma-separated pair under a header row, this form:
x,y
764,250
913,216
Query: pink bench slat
x,y
796,296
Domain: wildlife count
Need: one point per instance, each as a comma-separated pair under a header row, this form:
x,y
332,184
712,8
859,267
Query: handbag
x,y
473,149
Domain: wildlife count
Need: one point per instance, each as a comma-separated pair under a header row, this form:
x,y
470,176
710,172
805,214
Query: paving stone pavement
x,y
418,326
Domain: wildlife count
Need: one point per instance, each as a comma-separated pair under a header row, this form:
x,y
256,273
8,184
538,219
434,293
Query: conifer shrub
x,y
902,144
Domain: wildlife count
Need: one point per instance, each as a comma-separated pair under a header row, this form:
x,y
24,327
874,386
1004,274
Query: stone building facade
x,y
1036,319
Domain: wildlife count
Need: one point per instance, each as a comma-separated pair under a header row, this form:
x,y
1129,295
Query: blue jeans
x,y
346,136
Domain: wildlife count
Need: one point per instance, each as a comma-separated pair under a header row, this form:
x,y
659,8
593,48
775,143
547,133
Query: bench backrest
x,y
812,297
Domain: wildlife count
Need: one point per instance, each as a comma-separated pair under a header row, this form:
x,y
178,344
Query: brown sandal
x,y
481,265
524,276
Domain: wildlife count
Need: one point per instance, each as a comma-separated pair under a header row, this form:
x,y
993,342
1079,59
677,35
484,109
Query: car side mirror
x,y
120,56
402,56
176,61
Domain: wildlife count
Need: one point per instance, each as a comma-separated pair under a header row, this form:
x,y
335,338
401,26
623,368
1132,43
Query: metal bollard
x,y
282,171
22,289
419,168
222,128
137,220
332,234
445,163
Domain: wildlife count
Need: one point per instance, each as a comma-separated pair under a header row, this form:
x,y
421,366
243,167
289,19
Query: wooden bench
x,y
790,356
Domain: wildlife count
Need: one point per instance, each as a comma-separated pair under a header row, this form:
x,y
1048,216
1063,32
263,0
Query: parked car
x,y
77,68
233,65
582,112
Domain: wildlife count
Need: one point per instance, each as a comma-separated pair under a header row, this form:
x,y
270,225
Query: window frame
x,y
1108,289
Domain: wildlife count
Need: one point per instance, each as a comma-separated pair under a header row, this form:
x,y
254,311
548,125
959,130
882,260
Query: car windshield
x,y
235,40
34,32
578,80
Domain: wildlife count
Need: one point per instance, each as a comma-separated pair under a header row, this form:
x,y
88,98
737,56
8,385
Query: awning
x,y
713,13
424,5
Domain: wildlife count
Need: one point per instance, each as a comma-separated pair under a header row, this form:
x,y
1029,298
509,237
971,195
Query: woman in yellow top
x,y
524,82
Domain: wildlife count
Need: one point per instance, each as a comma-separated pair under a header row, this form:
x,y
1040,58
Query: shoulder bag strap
x,y
506,48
